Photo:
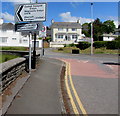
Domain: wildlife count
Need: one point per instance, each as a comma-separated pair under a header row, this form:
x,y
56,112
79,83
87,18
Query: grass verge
x,y
86,51
6,57
14,48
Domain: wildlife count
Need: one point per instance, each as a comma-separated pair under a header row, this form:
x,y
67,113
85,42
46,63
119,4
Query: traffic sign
x,y
43,29
30,12
30,27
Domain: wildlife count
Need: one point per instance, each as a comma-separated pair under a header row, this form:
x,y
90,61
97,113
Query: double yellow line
x,y
75,109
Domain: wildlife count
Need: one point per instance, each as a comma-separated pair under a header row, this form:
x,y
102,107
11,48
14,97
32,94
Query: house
x,y
109,37
66,32
8,37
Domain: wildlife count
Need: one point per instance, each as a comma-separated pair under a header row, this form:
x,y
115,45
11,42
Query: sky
x,y
67,11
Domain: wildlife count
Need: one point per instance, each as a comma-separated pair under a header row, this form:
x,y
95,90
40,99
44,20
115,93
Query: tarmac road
x,y
95,80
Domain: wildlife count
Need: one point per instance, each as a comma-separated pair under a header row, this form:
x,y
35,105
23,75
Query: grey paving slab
x,y
40,95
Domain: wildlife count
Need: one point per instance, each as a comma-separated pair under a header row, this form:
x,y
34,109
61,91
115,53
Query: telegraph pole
x,y
91,29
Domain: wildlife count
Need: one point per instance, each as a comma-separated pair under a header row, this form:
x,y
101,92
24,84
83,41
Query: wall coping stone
x,y
6,65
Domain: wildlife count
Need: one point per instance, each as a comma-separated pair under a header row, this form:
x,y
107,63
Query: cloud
x,y
8,17
21,1
66,17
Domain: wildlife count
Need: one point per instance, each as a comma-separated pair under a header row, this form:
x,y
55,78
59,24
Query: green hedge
x,y
107,44
113,45
99,44
83,45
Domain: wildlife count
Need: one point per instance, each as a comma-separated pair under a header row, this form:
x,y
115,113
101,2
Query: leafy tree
x,y
108,26
98,28
85,29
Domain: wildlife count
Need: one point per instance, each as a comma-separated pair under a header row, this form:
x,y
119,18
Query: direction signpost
x,y
29,18
21,27
30,12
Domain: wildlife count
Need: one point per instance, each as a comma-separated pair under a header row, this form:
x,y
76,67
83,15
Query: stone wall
x,y
10,70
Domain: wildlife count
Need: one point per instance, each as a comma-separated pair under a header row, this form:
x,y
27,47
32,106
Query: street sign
x,y
30,12
28,27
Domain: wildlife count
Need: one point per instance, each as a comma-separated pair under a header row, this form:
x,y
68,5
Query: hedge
x,y
107,44
99,44
83,45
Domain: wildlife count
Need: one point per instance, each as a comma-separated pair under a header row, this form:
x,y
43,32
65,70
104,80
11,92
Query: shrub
x,y
70,45
60,49
113,45
99,44
83,45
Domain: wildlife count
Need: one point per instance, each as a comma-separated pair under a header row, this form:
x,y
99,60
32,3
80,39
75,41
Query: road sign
x,y
29,27
26,27
30,12
43,29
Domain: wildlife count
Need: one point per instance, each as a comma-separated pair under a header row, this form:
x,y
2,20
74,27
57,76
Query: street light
x,y
91,29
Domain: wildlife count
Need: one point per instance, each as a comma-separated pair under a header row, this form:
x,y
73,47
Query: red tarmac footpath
x,y
90,69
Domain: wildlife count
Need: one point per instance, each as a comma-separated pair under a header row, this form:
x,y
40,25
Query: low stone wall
x,y
10,70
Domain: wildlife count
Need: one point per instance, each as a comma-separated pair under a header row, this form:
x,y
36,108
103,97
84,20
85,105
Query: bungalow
x,y
109,37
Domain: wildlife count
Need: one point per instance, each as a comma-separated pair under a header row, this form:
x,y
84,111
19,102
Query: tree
x,y
85,29
97,29
108,26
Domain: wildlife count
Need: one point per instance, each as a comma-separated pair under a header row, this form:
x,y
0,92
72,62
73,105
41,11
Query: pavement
x,y
41,93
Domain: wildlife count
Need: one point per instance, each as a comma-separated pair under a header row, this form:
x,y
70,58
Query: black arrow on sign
x,y
18,13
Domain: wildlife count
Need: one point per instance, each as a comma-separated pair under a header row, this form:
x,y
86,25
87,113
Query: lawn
x,y
14,48
6,57
87,51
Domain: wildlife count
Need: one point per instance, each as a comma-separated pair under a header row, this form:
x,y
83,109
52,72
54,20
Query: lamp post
x,y
91,29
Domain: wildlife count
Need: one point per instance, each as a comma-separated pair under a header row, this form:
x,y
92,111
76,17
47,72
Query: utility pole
x,y
91,29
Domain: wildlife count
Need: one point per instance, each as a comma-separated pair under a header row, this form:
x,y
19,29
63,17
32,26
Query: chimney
x,y
52,21
78,21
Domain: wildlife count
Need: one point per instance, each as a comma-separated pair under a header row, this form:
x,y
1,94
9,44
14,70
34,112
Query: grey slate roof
x,y
7,26
66,25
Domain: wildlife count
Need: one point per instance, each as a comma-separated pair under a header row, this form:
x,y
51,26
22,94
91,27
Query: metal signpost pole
x,y
91,29
30,43
34,52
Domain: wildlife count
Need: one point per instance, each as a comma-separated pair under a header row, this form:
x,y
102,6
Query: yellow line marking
x,y
69,92
76,95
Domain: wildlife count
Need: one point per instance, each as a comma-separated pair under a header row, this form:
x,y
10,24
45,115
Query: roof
x,y
109,35
66,25
7,26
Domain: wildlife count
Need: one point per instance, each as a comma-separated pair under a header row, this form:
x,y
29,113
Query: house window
x,y
3,39
13,38
60,29
25,41
60,36
74,36
74,29
67,29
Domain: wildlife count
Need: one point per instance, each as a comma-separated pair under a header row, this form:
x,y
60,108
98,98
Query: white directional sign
x,y
29,27
31,12
26,27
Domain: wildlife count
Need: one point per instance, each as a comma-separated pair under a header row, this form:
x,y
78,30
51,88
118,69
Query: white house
x,y
109,37
8,37
66,32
